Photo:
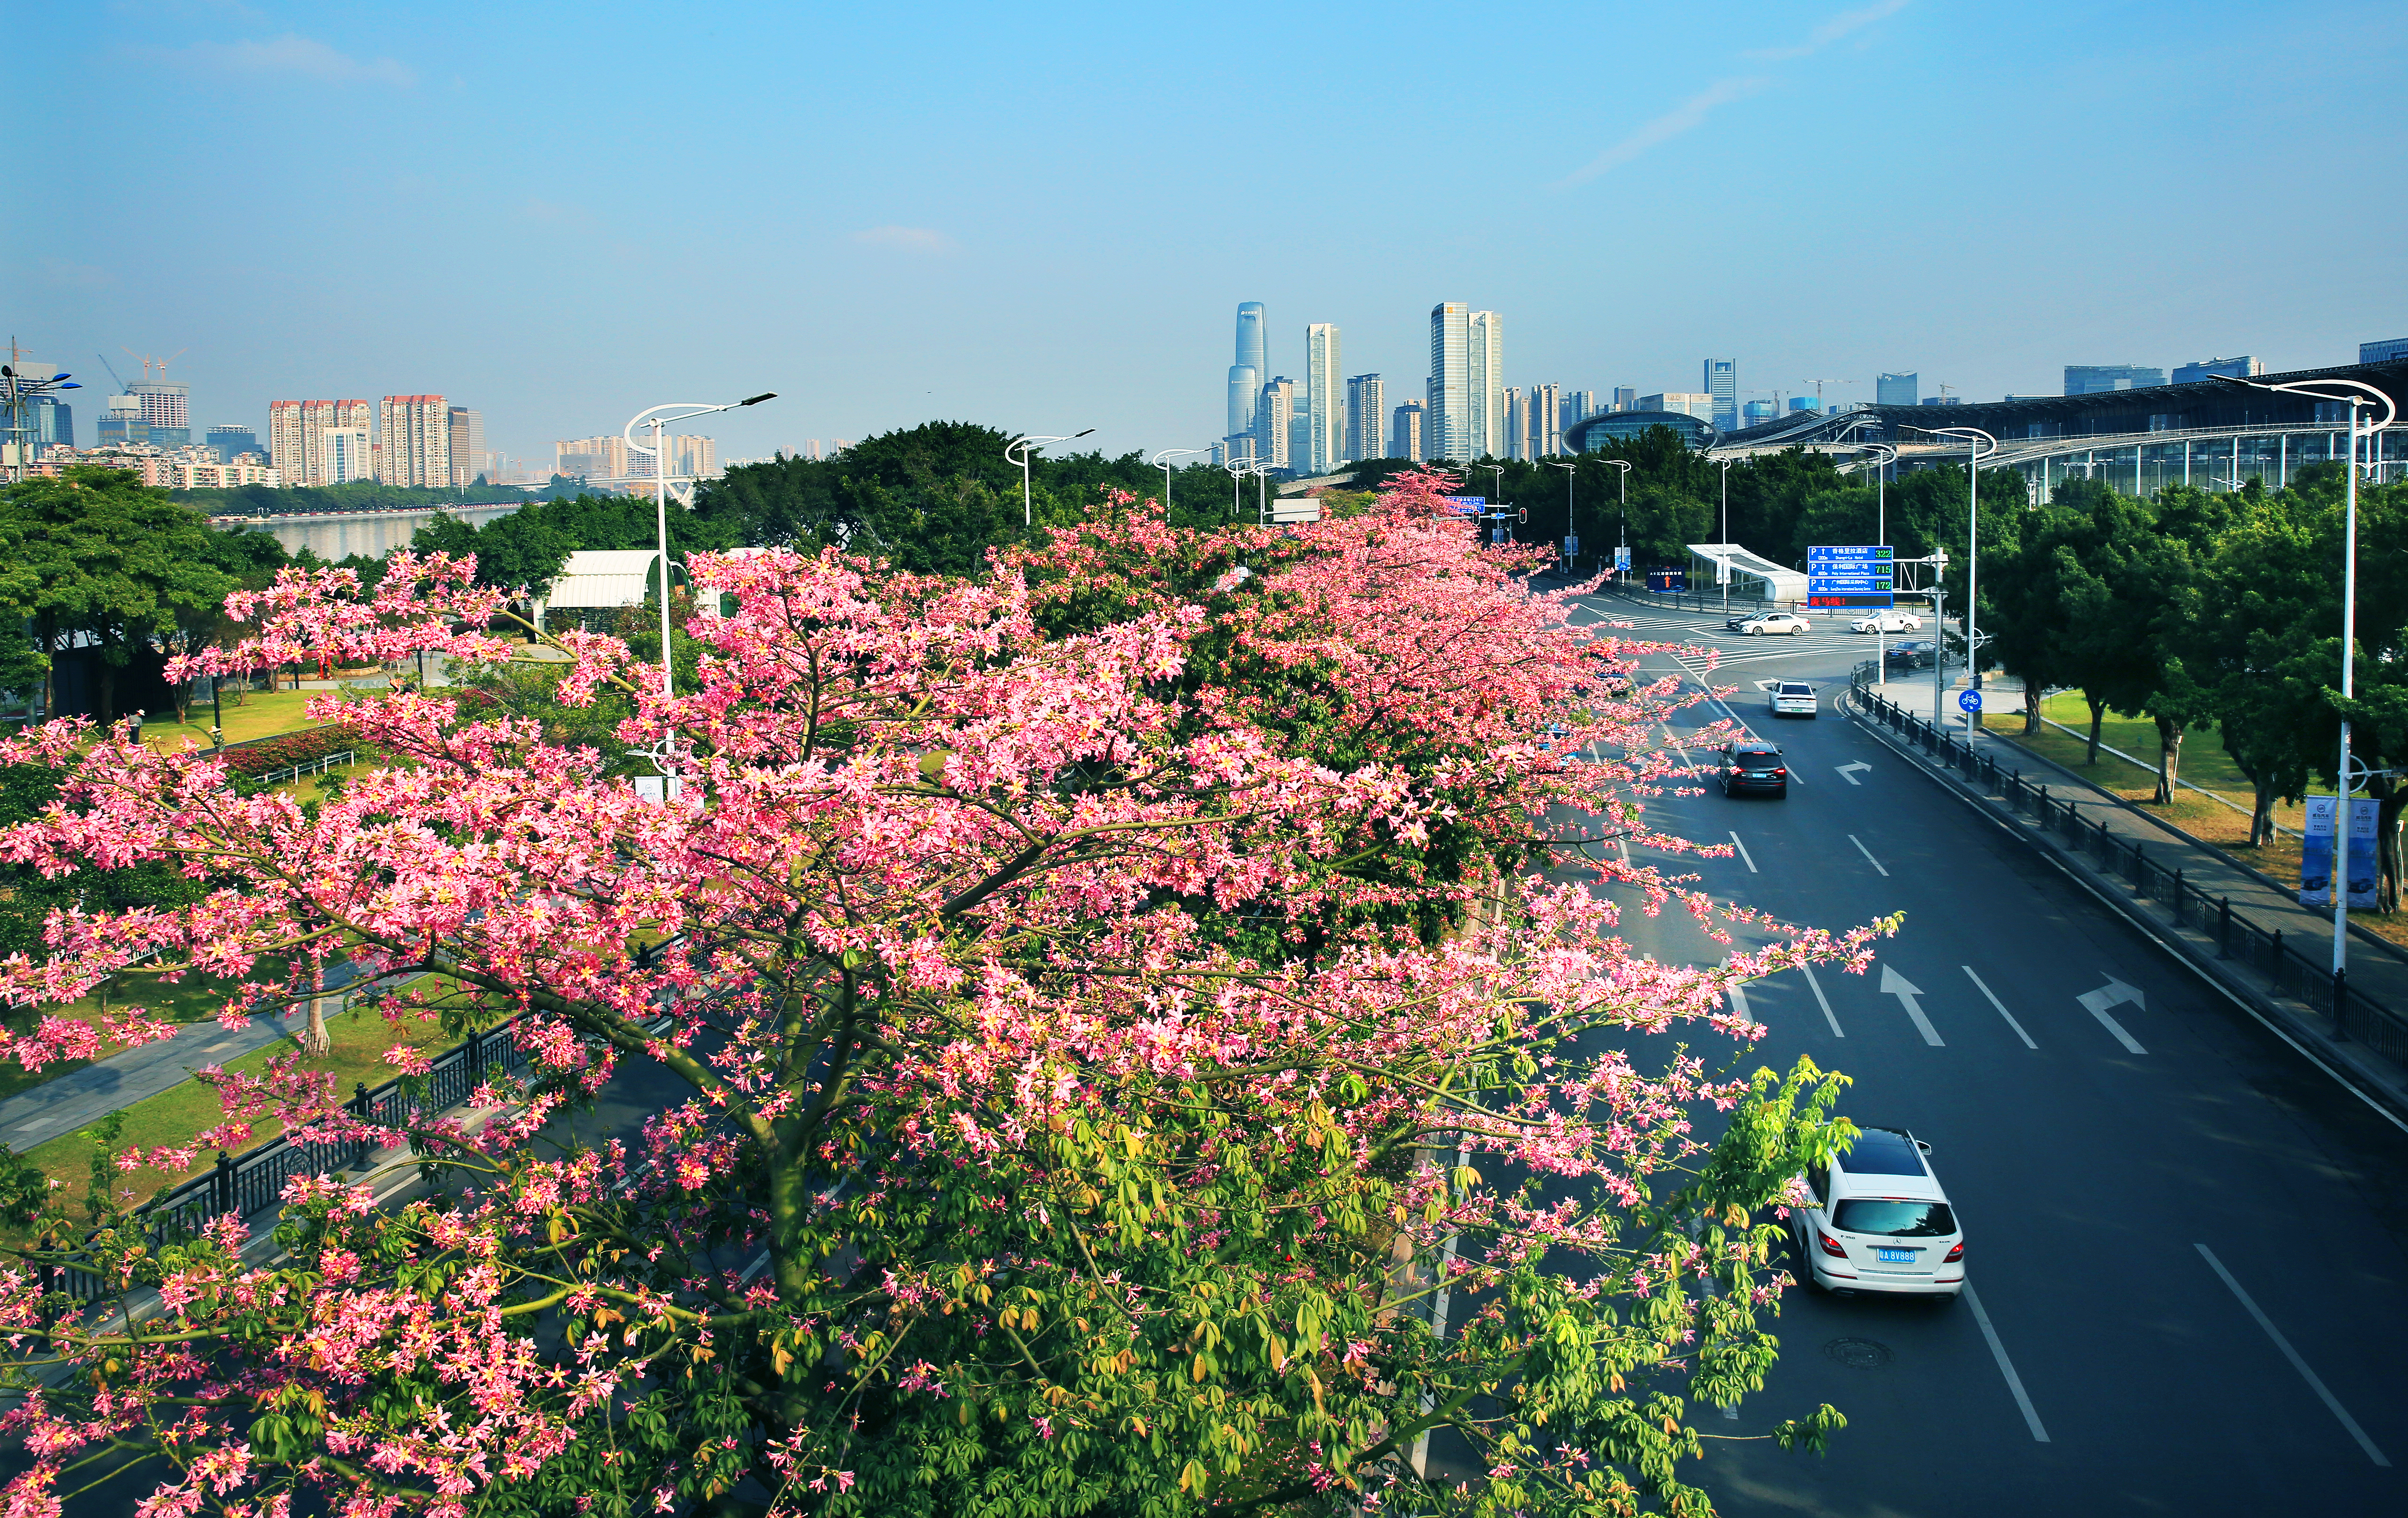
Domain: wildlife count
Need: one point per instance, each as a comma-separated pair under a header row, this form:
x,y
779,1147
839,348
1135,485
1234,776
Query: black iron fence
x,y
255,1179
2288,972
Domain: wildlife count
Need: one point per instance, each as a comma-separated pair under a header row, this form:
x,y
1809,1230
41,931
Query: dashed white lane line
x,y
2001,1005
1744,857
2007,1367
1822,1001
1869,855
1624,844
2315,1383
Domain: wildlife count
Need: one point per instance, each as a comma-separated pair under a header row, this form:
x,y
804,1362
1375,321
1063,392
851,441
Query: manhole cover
x,y
1858,1354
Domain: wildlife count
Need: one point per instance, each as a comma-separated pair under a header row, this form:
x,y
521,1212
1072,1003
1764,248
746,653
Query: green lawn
x,y
261,714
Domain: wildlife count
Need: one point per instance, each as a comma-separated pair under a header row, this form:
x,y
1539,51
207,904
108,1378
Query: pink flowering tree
x,y
1158,1034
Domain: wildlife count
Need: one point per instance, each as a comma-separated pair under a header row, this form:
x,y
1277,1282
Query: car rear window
x,y
1789,687
1760,754
1883,1152
1893,1220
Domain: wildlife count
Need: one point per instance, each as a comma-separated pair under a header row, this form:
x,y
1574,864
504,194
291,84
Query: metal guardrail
x,y
345,757
2288,972
254,1180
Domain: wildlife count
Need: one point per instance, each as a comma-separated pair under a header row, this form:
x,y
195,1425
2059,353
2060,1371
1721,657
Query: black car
x,y
1752,764
1913,655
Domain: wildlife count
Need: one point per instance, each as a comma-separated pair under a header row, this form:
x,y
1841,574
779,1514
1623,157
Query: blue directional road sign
x,y
1851,575
1622,560
1969,700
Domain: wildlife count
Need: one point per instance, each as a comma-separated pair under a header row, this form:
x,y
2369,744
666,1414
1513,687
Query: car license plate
x,y
1895,1256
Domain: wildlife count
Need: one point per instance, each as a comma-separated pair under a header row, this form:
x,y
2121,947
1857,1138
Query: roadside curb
x,y
2377,1088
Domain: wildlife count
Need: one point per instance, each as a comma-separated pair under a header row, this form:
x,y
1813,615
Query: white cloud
x,y
1682,118
909,239
290,54
1834,29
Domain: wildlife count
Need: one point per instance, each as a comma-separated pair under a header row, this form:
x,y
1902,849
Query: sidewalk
x,y
2378,970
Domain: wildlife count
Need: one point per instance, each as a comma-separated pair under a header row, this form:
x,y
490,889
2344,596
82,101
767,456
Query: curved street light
x,y
1237,470
1976,440
1171,454
651,417
2354,393
1570,470
1018,452
1624,543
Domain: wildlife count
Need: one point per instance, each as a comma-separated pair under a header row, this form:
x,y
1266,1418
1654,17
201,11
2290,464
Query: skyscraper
x,y
1487,372
1325,409
1722,383
1447,426
413,440
164,411
1366,418
466,441
1517,424
1626,398
1246,376
1578,405
1547,419
1897,389
1274,416
1408,437
2092,378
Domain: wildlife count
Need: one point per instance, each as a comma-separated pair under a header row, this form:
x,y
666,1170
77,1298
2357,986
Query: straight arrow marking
x,y
1847,772
2113,994
1825,1002
1895,985
2001,1005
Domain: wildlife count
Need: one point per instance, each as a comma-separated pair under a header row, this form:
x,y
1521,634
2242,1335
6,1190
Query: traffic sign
x,y
1571,545
1969,700
1622,561
1851,576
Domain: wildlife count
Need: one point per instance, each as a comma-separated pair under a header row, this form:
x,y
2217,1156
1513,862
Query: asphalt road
x,y
2188,1243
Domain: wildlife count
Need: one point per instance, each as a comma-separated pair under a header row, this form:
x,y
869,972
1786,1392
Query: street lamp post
x,y
1237,470
1623,536
1569,469
1974,441
1171,454
651,418
2356,395
1018,452
1883,456
1725,540
1496,484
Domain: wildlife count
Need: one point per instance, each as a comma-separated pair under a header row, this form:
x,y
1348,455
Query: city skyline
x,y
928,272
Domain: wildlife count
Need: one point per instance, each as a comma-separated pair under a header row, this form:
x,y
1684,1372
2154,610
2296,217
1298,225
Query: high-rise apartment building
x,y
296,433
1897,389
1487,372
1626,398
164,411
1367,417
1546,421
1275,414
466,443
606,458
1246,376
1407,435
2208,368
1324,405
1722,383
413,440
1447,427
1579,406
1517,424
2094,378
694,457
344,454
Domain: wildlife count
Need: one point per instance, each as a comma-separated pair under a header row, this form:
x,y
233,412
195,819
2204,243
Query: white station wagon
x,y
1878,1221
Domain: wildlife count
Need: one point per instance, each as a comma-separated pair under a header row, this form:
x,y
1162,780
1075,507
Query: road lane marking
x,y
1738,997
1743,855
1823,1001
1895,985
2007,1367
2315,1384
2001,1005
1845,771
2113,993
1868,855
1624,844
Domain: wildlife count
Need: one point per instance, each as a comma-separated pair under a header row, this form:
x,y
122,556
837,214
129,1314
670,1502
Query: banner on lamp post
x,y
2360,878
2317,852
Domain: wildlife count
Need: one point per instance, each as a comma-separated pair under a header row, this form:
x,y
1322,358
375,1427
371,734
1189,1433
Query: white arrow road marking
x,y
1895,985
1743,853
2110,995
1851,779
2332,1403
1869,858
2001,1005
1823,1001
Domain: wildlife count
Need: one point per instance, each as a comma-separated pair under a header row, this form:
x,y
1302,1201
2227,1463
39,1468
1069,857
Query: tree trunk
x,y
2169,737
2388,799
2262,813
107,680
2098,715
2031,709
316,1041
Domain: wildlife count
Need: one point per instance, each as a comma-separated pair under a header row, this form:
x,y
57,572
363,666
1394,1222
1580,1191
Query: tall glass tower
x,y
1487,386
1249,373
1722,383
1447,427
1325,406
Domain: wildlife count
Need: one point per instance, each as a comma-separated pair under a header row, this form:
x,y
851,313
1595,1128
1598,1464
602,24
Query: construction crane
x,y
147,361
122,388
1818,385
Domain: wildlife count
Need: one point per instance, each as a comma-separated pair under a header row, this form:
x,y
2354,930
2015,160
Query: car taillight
x,y
1955,1254
1782,773
1830,1245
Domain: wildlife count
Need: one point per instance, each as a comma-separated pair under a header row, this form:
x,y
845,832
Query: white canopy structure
x,y
598,579
1750,574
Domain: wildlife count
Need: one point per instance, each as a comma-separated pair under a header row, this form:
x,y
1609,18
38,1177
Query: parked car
x,y
1752,764
1877,1219
1892,620
1775,622
1792,699
1914,655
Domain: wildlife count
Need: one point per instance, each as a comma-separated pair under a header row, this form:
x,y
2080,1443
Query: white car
x,y
1887,622
1792,699
1877,1221
1776,622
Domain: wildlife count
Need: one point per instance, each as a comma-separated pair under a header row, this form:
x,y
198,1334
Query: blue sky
x,y
1044,217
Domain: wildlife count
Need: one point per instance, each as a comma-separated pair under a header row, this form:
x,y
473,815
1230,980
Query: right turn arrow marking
x,y
1895,985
